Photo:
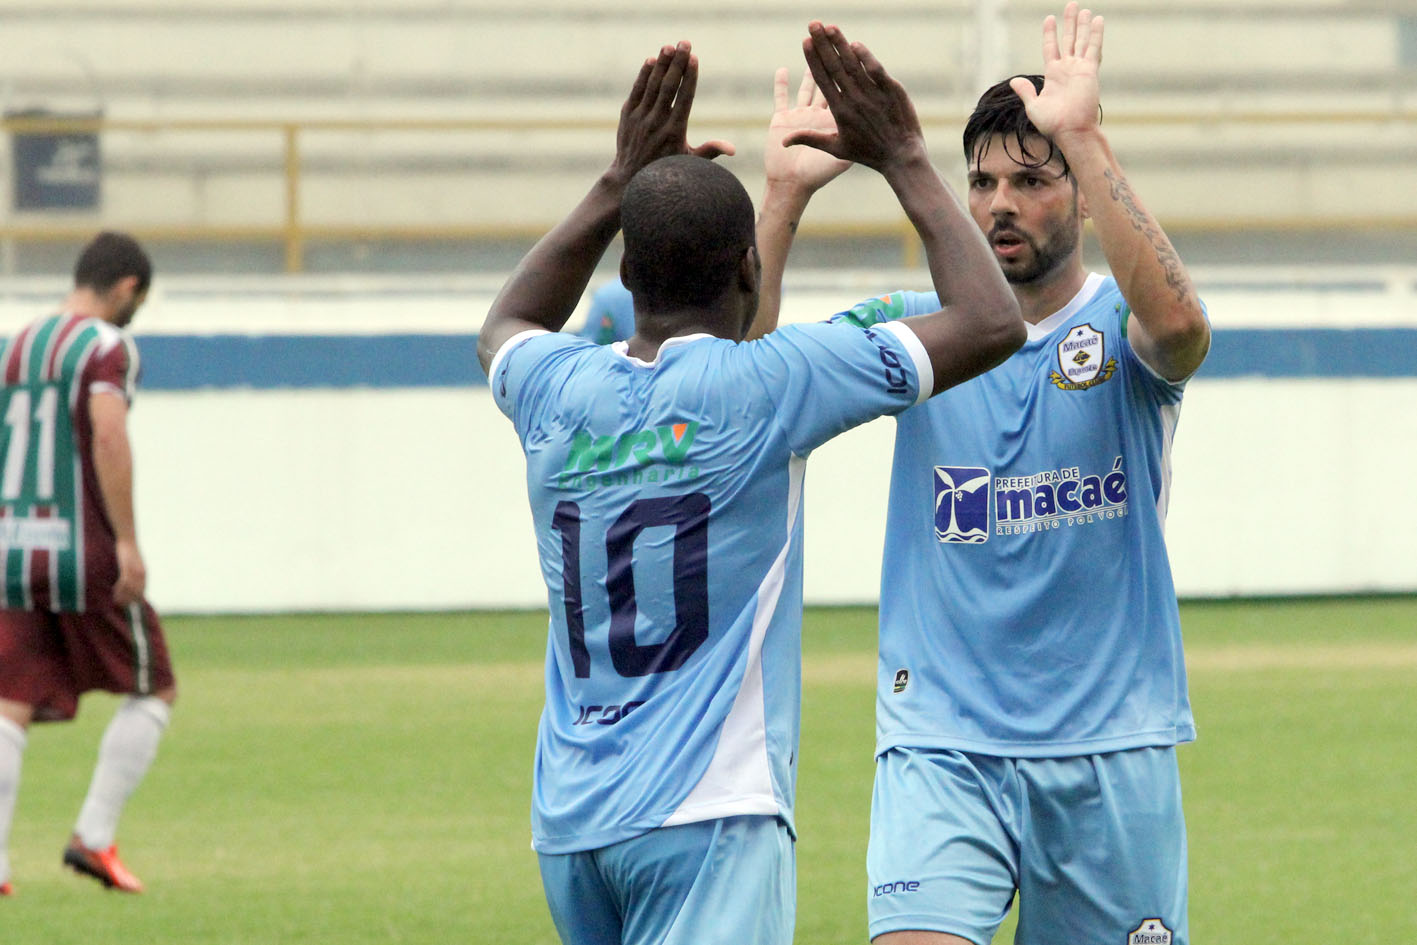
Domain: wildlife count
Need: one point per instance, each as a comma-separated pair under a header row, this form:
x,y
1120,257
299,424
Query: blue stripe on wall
x,y
191,362
1312,353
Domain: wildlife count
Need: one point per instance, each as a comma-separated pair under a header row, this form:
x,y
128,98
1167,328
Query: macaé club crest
x,y
1082,360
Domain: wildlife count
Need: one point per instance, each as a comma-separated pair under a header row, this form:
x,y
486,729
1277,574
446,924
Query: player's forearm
x,y
544,289
113,466
1146,266
782,208
966,277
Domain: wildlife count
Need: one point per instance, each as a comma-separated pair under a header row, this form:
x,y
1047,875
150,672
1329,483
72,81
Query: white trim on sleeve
x,y
107,387
916,349
507,347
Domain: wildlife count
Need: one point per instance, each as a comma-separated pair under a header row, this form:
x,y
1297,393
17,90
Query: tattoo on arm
x,y
1142,222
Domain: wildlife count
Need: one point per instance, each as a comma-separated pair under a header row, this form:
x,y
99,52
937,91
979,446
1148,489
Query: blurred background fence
x,y
316,135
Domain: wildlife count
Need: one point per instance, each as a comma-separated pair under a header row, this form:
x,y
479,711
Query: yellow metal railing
x,y
293,232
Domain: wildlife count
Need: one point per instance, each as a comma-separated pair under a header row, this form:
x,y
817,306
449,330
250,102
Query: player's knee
x,y
20,713
157,706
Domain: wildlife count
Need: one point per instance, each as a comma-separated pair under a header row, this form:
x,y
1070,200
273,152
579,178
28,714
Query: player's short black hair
x,y
1000,111
687,223
111,256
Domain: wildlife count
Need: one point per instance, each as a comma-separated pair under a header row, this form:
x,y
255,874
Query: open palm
x,y
800,164
1068,102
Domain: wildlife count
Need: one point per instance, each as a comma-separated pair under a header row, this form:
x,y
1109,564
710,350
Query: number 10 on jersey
x,y
688,515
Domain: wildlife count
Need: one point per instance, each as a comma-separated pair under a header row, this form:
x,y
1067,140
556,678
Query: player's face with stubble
x,y
1029,214
127,306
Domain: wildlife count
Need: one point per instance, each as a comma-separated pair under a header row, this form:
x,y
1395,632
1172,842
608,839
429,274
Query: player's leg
x,y
14,720
1104,858
125,753
718,882
584,907
33,678
125,652
745,889
941,864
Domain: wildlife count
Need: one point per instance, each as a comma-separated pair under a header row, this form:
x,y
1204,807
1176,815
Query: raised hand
x,y
876,122
1068,102
801,166
543,290
654,120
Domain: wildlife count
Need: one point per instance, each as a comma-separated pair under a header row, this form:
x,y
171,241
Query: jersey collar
x,y
622,348
1048,325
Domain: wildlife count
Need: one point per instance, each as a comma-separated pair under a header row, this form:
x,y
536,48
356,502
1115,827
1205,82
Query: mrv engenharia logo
x,y
654,454
968,497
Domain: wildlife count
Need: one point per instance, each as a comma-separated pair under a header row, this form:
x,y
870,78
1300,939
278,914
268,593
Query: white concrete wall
x,y
415,498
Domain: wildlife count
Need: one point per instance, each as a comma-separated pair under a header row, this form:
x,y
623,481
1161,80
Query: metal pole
x,y
991,34
991,59
294,237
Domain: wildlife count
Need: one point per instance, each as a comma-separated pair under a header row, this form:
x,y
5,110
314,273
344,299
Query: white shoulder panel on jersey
x,y
508,345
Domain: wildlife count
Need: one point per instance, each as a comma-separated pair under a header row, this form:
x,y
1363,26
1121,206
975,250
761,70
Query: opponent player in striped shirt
x,y
1031,684
74,617
665,476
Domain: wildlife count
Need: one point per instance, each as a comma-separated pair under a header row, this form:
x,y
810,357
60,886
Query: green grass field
x,y
351,779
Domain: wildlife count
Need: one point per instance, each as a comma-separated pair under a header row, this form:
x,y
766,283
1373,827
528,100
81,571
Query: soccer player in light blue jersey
x,y
665,476
611,316
1031,685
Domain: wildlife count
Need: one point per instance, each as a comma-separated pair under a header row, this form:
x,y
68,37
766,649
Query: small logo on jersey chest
x,y
1082,360
1150,932
902,679
962,504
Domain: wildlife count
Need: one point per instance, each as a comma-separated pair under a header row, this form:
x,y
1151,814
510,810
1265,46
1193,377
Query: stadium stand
x,y
313,124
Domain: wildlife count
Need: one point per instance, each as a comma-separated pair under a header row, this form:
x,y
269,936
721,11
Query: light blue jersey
x,y
1027,608
667,499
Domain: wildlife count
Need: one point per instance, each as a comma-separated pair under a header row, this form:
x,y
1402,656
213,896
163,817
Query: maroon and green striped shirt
x,y
56,542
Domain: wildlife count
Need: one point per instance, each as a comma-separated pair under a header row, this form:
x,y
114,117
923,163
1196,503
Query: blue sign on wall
x,y
55,170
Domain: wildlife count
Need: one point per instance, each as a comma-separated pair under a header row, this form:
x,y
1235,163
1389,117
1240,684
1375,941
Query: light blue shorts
x,y
1095,846
719,882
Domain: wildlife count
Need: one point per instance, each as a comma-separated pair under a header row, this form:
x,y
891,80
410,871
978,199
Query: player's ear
x,y
750,270
624,273
1083,213
123,291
